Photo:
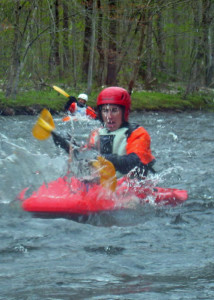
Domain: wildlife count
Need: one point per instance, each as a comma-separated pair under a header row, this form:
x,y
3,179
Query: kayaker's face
x,y
112,116
81,101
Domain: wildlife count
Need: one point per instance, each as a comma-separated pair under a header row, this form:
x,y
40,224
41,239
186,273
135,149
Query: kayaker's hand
x,y
72,99
69,102
61,141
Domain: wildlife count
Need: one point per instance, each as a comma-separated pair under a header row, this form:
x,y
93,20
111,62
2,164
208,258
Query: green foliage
x,y
160,101
42,99
28,30
141,100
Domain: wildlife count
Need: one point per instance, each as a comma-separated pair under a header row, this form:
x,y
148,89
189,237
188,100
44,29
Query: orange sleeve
x,y
90,112
139,142
72,107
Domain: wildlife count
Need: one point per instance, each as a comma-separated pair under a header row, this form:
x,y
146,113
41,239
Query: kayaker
x,y
79,107
125,144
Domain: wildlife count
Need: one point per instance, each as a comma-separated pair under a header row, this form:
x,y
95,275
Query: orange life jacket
x,y
138,142
88,110
72,108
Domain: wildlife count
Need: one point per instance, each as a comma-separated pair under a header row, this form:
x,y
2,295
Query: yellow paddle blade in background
x,y
44,125
107,173
61,91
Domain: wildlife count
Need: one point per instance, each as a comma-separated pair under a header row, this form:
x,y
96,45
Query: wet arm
x,y
124,163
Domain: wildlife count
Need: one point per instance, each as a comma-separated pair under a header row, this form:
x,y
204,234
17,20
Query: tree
x,y
66,49
197,54
54,58
142,28
111,78
160,38
88,4
91,58
208,49
100,50
23,39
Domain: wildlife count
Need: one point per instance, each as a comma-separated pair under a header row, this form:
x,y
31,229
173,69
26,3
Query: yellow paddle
x,y
44,125
61,91
107,173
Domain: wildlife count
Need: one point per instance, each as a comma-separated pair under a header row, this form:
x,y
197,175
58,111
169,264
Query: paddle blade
x,y
107,173
44,125
61,91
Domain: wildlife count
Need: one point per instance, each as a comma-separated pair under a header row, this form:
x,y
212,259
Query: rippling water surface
x,y
148,253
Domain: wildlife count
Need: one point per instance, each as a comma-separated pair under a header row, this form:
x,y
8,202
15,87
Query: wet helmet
x,y
115,95
83,96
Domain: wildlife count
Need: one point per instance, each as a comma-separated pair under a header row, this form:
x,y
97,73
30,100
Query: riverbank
x,y
32,102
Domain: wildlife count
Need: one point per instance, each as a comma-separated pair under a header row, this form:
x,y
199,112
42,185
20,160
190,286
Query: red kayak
x,y
76,197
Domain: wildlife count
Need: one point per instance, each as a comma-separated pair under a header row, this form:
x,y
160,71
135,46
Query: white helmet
x,y
83,96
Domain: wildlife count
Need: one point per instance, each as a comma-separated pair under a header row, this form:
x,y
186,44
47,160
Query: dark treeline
x,y
106,42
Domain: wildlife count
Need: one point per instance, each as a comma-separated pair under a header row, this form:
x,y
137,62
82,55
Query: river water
x,y
150,253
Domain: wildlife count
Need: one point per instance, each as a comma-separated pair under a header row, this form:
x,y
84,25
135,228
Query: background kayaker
x,y
79,107
126,145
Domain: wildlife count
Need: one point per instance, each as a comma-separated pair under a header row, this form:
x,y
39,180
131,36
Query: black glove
x,y
61,141
70,101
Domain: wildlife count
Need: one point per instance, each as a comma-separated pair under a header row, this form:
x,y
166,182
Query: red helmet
x,y
115,95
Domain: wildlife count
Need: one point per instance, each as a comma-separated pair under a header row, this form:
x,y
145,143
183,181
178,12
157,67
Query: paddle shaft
x,y
45,126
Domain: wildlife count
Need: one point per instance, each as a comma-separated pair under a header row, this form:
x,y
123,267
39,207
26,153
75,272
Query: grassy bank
x,y
163,101
141,100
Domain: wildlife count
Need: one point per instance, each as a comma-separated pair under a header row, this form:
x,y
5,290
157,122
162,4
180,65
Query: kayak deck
x,y
73,196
